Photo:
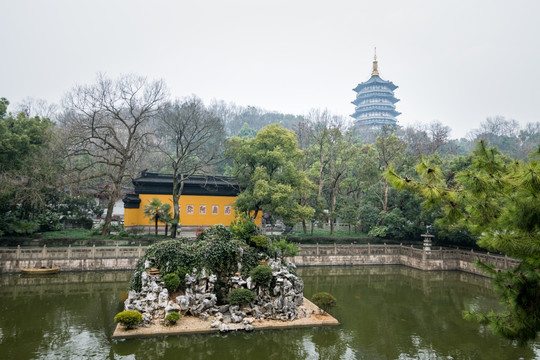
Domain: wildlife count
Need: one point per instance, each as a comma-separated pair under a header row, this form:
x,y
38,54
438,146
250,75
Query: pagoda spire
x,y
375,65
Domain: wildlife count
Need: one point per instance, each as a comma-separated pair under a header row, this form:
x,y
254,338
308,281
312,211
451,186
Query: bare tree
x,y
192,140
38,107
499,126
425,139
322,123
106,126
227,112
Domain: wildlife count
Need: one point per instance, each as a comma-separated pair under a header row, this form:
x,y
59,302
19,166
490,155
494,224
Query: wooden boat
x,y
40,271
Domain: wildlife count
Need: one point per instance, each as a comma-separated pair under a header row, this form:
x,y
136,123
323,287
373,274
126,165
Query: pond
x,y
387,312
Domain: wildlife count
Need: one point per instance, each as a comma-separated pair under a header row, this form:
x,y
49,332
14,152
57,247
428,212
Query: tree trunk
x,y
113,196
156,224
385,206
332,209
178,186
166,228
255,214
304,227
385,203
321,180
107,223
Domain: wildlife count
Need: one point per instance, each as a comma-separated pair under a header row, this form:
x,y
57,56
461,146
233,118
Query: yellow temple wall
x,y
195,210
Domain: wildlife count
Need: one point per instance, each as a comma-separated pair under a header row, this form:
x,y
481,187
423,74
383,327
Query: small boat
x,y
40,271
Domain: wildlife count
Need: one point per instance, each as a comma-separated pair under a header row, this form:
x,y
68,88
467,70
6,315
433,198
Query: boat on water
x,y
40,271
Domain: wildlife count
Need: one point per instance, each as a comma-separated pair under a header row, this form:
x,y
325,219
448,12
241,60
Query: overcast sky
x,y
454,61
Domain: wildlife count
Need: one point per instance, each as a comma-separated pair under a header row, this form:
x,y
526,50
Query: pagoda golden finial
x,y
375,70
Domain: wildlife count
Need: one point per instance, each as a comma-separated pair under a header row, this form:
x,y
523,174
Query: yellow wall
x,y
133,217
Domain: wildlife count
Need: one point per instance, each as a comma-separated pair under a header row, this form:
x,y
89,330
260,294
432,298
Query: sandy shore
x,y
194,325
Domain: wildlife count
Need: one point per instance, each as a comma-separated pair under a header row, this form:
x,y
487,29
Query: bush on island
x,y
241,296
243,227
324,301
284,248
262,274
260,241
172,318
129,318
172,282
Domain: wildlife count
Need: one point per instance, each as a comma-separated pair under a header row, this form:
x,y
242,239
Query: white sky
x,y
454,61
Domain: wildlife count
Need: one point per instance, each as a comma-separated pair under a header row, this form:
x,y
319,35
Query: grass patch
x,y
81,234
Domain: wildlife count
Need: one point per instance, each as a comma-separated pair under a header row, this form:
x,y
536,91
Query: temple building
x,y
375,102
205,200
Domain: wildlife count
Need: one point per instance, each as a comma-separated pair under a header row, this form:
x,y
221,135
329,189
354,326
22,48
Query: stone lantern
x,y
427,242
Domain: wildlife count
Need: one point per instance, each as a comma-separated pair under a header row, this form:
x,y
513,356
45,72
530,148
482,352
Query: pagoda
x,y
375,102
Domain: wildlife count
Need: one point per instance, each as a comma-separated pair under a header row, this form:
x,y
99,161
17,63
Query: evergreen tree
x,y
497,199
266,166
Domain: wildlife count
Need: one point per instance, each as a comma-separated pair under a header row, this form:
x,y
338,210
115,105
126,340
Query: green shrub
x,y
284,248
243,227
378,231
324,301
259,241
241,296
172,318
262,274
172,282
113,228
129,318
25,227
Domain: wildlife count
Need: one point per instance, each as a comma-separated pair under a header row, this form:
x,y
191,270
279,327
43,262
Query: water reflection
x,y
387,312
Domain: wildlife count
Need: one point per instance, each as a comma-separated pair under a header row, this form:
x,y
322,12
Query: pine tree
x,y
498,200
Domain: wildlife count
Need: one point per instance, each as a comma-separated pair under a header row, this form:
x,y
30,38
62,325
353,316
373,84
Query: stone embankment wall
x,y
440,259
71,258
126,257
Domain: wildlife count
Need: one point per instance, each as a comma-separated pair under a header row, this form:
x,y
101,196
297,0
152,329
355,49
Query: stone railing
x,y
434,259
126,257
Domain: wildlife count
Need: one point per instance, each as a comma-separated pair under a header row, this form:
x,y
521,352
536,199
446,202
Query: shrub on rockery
x,y
259,241
171,281
241,296
262,274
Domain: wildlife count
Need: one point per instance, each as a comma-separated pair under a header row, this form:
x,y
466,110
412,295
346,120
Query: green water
x,y
387,312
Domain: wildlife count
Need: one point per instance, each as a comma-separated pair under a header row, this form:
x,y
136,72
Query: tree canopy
x,y
191,139
497,199
266,167
107,125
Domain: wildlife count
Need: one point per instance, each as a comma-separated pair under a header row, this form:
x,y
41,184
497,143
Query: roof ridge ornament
x,y
375,64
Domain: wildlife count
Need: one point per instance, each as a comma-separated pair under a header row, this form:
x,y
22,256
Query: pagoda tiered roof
x,y
374,102
376,79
